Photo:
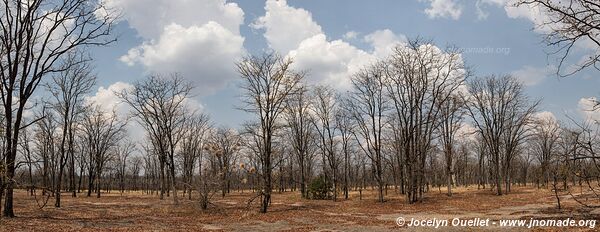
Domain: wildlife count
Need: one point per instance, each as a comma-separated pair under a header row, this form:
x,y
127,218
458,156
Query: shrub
x,y
319,189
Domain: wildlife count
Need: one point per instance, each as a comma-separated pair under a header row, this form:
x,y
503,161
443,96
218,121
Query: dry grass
x,y
136,211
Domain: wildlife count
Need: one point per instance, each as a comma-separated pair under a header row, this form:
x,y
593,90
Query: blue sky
x,y
331,39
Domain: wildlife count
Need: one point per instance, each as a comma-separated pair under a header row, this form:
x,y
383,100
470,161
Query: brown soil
x,y
136,211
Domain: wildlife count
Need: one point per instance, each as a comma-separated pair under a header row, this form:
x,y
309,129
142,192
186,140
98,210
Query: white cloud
x,y
532,12
496,2
334,62
329,62
193,104
384,41
530,75
350,35
545,122
481,5
547,119
199,39
150,17
545,116
482,14
292,32
444,9
205,54
108,101
285,26
588,108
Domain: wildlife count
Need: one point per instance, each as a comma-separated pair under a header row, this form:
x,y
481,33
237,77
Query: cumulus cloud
x,y
588,108
384,41
546,119
108,101
199,39
350,35
545,116
533,13
285,26
293,32
329,62
205,54
443,9
334,62
150,17
530,75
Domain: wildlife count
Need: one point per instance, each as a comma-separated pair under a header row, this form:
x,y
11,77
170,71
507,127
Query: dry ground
x,y
136,211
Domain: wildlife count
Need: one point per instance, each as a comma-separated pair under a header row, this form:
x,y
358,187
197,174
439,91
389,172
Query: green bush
x,y
319,189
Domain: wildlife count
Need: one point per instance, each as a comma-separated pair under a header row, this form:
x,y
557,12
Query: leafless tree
x,y
36,35
519,117
420,80
566,24
324,108
68,89
27,154
223,147
123,150
135,168
299,123
545,139
207,187
102,131
581,156
343,121
45,145
451,112
369,106
158,104
268,82
500,110
195,136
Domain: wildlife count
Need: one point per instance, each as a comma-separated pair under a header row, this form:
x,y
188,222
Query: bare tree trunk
x,y
163,180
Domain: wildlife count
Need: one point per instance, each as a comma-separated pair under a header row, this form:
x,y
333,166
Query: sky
x,y
330,39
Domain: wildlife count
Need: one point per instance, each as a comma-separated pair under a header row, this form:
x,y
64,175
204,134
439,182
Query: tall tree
x,y
420,80
499,108
545,140
158,103
343,121
123,151
369,106
324,108
268,82
102,132
520,116
224,145
197,127
451,112
300,127
68,89
35,36
45,144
